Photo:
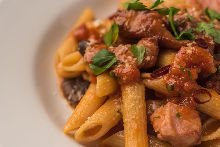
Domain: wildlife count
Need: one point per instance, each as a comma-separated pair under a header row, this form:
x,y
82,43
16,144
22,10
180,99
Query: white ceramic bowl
x,y
32,113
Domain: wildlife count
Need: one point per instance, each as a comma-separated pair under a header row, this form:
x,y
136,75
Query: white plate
x,y
31,111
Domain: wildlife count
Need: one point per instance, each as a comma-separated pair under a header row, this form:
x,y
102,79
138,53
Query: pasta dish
x,y
147,75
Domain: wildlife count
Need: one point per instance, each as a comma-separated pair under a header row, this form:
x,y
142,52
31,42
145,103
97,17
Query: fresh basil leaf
x,y
102,57
112,35
210,30
188,35
134,5
170,88
212,14
138,52
172,12
96,70
155,4
163,11
102,61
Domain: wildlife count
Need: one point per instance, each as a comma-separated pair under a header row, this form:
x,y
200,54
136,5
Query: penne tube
x,y
106,117
165,58
211,130
158,85
117,140
86,16
79,66
105,85
134,115
68,46
212,107
72,58
86,107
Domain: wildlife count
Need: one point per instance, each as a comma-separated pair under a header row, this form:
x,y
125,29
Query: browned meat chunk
x,y
179,125
188,63
146,24
91,51
150,57
127,70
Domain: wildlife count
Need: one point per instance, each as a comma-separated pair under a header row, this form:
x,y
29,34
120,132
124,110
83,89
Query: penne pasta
x,y
86,107
106,117
211,130
158,84
105,85
68,46
71,59
86,16
212,107
134,115
165,58
117,140
79,66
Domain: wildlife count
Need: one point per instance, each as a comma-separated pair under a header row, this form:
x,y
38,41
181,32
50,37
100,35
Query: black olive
x,y
74,89
82,46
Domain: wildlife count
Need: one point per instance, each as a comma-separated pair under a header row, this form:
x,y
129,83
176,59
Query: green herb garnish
x,y
209,29
163,11
138,52
134,5
112,74
172,12
112,35
218,68
119,112
170,88
102,61
157,117
188,71
178,115
188,35
212,14
189,16
155,4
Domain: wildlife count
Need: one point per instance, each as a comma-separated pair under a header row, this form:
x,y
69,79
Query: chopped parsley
x,y
112,74
212,14
155,4
119,112
178,115
136,5
102,61
188,35
209,29
189,16
188,71
138,52
170,88
112,35
172,12
163,11
157,117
